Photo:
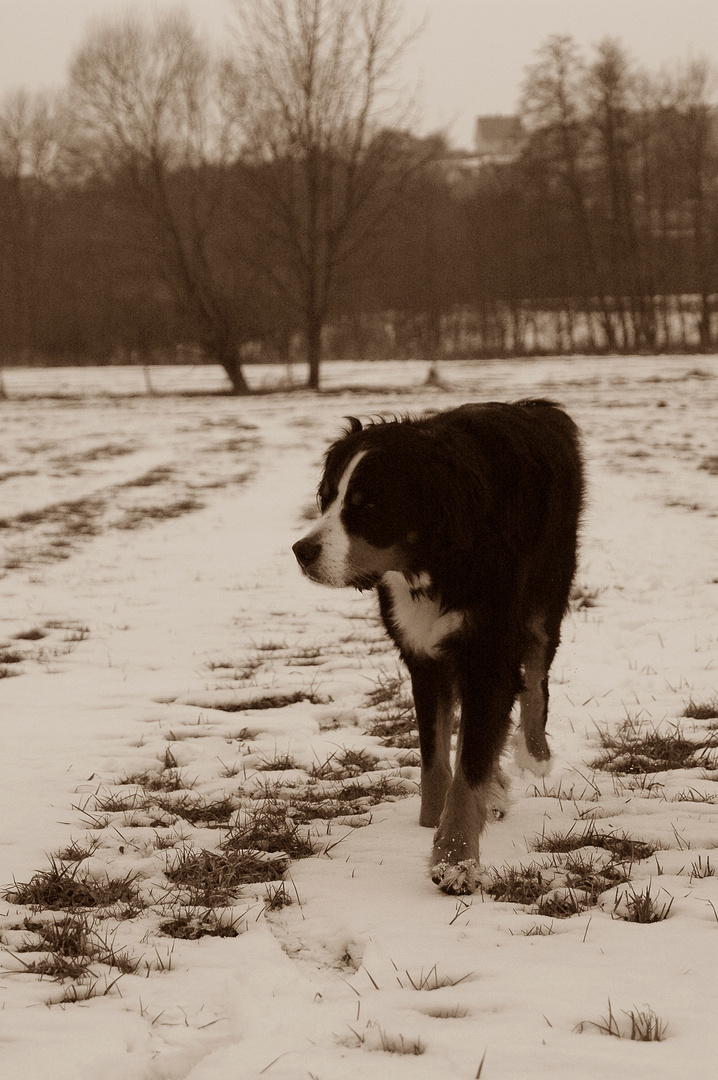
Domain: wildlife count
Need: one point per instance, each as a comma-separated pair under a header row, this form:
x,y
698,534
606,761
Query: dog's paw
x,y
538,763
457,879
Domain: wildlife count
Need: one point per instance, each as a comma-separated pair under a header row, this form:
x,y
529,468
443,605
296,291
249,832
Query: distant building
x,y
460,168
498,139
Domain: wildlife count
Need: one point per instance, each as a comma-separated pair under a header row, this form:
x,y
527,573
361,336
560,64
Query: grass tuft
x,y
642,907
431,980
279,763
375,1037
640,1025
191,924
76,851
701,869
203,812
562,904
622,847
269,827
62,887
278,897
327,800
137,516
522,885
70,946
270,701
576,876
35,633
170,779
539,930
343,765
11,656
571,883
585,873
215,878
633,749
701,710
447,1012
85,990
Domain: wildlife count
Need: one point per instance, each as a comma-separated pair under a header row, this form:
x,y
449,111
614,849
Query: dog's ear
x,y
354,425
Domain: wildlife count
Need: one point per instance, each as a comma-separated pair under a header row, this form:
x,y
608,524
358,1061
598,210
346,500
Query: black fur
x,y
485,500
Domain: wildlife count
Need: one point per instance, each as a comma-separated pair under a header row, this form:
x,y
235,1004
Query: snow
x,y
156,626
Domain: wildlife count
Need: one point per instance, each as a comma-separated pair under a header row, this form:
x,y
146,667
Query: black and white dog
x,y
466,521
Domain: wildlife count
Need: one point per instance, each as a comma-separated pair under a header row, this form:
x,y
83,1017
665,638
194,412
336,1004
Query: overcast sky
x,y
468,61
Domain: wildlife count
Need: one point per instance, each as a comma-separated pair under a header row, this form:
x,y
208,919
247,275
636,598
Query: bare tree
x,y
30,133
614,127
555,111
157,112
695,139
322,85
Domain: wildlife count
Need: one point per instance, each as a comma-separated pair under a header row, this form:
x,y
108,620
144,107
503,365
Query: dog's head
x,y
371,509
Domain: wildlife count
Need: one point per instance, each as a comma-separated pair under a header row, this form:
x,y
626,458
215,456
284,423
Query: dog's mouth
x,y
364,581
314,575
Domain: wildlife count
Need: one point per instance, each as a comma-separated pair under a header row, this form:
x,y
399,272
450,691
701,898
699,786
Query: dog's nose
x,y
306,552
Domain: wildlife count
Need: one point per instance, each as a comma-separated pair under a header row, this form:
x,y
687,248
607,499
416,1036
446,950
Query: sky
x,y
468,61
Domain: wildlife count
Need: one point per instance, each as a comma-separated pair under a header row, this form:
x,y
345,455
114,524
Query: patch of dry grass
x,y
64,887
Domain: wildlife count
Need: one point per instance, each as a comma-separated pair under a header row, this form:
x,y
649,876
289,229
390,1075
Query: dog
x,y
466,522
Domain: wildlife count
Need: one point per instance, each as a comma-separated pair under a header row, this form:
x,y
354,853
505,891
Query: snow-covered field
x,y
168,669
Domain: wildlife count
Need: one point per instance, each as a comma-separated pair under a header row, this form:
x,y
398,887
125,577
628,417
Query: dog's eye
x,y
360,501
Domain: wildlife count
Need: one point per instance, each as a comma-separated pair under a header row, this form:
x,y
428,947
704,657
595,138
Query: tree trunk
x,y
704,320
227,356
314,352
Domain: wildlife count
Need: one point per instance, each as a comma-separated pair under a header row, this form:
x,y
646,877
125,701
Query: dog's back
x,y
510,487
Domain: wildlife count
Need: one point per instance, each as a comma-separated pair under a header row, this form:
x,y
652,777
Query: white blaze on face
x,y
332,565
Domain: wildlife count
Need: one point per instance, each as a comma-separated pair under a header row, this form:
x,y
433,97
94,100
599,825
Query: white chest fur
x,y
419,622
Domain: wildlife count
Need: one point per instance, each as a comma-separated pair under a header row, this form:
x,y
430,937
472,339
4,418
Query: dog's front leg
x,y
434,704
489,683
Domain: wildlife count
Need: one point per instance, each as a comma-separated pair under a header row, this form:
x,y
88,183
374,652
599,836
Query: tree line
x,y
273,200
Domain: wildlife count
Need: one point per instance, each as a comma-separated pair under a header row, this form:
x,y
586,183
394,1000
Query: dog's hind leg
x,y
434,704
531,750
